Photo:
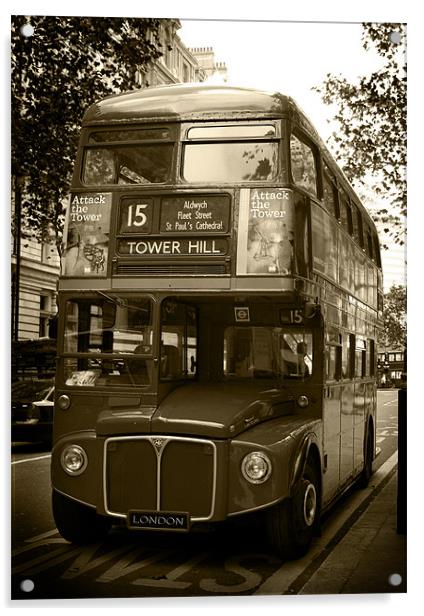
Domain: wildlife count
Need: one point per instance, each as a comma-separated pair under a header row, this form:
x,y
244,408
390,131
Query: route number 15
x,y
136,216
296,317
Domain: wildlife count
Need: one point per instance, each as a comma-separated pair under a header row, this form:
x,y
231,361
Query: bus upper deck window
x,y
234,153
241,131
303,164
129,164
346,214
230,162
139,134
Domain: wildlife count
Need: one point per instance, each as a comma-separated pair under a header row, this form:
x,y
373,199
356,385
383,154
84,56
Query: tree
x,y
393,335
370,140
66,65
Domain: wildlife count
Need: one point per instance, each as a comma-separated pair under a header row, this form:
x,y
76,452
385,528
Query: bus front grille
x,y
130,269
160,473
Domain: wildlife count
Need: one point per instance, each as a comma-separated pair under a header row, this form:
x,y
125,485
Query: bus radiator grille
x,y
128,269
183,470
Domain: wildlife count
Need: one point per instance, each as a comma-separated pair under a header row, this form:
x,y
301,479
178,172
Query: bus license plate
x,y
159,520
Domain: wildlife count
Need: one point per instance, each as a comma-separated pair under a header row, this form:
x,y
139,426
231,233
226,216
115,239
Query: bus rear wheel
x,y
292,523
76,522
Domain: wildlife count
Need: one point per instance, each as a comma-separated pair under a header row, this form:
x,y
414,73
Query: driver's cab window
x,y
267,352
178,352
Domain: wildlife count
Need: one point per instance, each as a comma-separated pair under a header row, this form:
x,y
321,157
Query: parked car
x,y
32,410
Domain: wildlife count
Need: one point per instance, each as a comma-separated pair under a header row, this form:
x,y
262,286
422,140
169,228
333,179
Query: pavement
x,y
371,556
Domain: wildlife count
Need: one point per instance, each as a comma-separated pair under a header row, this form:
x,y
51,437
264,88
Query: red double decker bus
x,y
218,307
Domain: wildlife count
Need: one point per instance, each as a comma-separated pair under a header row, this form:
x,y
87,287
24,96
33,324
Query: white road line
x,y
49,533
32,459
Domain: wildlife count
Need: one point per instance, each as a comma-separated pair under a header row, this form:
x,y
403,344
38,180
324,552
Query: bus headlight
x,y
74,460
303,401
256,467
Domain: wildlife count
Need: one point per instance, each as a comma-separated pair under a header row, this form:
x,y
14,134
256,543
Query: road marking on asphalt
x,y
49,533
281,580
32,565
30,547
86,560
251,578
170,580
32,459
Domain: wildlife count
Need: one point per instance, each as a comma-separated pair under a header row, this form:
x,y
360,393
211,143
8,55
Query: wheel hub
x,y
309,504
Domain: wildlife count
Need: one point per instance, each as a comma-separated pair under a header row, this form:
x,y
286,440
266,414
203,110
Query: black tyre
x,y
78,523
365,476
292,523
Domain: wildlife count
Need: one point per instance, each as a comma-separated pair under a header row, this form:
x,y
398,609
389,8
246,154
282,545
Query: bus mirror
x,y
310,310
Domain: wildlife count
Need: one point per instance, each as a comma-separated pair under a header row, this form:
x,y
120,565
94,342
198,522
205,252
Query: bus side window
x,y
346,213
333,353
377,250
369,244
360,357
358,230
303,164
330,193
370,361
348,356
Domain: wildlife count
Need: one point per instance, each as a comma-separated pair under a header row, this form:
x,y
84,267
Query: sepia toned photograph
x,y
208,308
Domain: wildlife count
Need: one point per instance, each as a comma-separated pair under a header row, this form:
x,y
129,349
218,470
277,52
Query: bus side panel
x,y
346,432
331,444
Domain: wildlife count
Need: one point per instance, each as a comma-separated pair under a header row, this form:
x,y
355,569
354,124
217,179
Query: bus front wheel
x,y
76,522
292,523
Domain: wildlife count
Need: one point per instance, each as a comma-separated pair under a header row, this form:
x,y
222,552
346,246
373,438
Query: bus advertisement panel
x,y
86,235
265,232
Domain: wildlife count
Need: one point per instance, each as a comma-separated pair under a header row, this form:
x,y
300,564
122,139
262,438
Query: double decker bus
x,y
219,300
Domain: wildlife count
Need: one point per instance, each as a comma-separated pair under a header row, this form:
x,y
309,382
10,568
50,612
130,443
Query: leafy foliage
x,y
68,64
394,318
370,140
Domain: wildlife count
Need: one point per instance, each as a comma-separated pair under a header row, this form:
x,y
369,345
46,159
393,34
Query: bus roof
x,y
185,101
194,101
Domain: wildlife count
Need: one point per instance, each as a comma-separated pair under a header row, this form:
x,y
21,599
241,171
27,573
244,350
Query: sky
x,y
291,58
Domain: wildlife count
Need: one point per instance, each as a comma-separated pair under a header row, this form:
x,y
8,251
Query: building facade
x,y
213,71
180,64
37,288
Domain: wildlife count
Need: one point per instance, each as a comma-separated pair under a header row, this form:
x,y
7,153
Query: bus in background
x,y
219,301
